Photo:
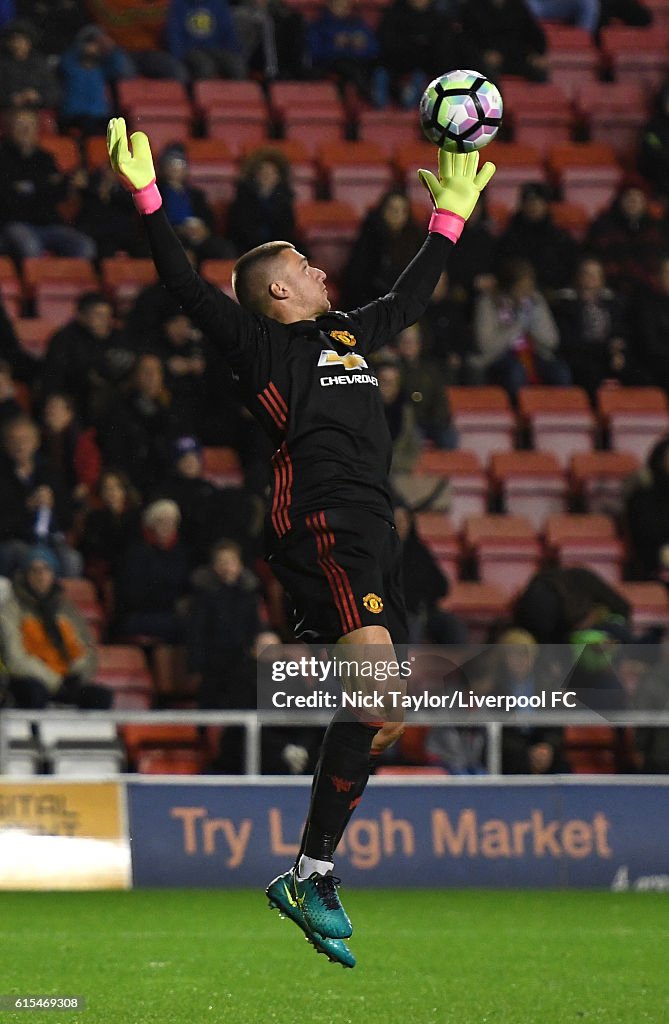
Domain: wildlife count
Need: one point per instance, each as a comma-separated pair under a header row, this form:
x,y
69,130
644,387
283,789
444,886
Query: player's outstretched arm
x,y
230,327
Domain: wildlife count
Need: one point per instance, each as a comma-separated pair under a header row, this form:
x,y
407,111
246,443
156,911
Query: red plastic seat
x,y
588,173
212,167
516,164
83,596
56,283
467,483
96,154
219,272
636,55
614,112
483,418
389,129
170,762
560,420
586,540
157,106
572,218
572,56
64,150
590,749
10,287
439,534
598,478
532,484
329,228
34,334
479,605
358,172
506,550
221,465
234,112
541,113
313,114
636,418
123,278
649,603
123,669
407,159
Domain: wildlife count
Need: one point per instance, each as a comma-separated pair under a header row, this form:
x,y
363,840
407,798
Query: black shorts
x,y
342,570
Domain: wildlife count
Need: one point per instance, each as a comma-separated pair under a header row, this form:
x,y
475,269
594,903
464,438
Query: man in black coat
x,y
533,236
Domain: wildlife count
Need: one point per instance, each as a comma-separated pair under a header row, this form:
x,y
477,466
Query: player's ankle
x,y
307,866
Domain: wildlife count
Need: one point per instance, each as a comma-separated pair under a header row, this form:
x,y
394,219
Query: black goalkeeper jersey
x,y
309,383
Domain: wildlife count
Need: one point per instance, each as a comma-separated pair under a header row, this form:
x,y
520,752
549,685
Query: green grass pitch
x,y
424,957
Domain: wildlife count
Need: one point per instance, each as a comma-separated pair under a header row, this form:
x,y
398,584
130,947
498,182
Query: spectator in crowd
x,y
583,13
31,186
47,645
9,404
58,21
221,628
23,366
202,34
532,235
647,517
593,326
472,271
527,750
272,37
515,333
400,418
448,334
181,348
107,215
71,448
423,382
35,506
508,38
208,510
26,80
654,149
462,750
7,12
425,585
87,69
652,319
139,27
153,577
625,12
262,209
111,525
136,434
342,45
628,239
416,42
88,356
187,207
388,240
557,601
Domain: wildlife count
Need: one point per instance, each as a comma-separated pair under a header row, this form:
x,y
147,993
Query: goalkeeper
x,y
302,370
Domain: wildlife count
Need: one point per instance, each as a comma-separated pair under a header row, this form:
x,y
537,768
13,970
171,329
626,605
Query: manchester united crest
x,y
345,337
373,603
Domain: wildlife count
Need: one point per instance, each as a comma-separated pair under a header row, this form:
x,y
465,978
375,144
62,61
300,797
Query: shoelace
x,y
326,887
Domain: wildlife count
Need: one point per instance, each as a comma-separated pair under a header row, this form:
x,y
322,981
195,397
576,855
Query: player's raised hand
x,y
132,163
456,190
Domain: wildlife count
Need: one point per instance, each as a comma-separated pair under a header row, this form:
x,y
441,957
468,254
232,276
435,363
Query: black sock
x,y
340,778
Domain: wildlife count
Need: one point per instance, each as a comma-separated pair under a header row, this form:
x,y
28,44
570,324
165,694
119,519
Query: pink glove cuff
x,y
148,199
446,223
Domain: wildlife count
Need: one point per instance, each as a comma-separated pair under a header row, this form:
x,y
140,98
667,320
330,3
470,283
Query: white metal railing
x,y
254,721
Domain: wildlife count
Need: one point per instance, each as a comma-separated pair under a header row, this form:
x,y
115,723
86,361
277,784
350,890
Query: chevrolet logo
x,y
350,361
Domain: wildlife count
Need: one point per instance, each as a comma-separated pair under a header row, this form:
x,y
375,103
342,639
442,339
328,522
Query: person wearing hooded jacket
x,y
647,513
628,239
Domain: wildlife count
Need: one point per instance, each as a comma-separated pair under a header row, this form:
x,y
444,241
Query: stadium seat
x,y
407,158
483,418
516,164
10,287
505,548
539,112
559,420
572,56
358,173
235,112
636,55
123,278
590,749
169,667
328,228
222,466
635,418
170,762
649,603
157,106
55,284
164,749
614,112
438,532
588,173
586,540
64,150
95,152
531,484
219,272
314,114
303,175
34,334
389,129
572,218
124,670
467,484
479,605
83,596
598,479
212,167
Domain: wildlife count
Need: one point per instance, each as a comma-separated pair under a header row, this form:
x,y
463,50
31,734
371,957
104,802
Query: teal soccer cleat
x,y
319,902
281,896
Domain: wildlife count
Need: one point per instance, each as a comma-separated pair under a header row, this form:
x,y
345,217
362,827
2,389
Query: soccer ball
x,y
461,111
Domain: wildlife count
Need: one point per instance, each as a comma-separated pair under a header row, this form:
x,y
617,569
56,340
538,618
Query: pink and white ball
x,y
461,111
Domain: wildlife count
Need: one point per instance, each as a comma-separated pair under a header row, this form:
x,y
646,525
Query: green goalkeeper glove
x,y
133,165
456,191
